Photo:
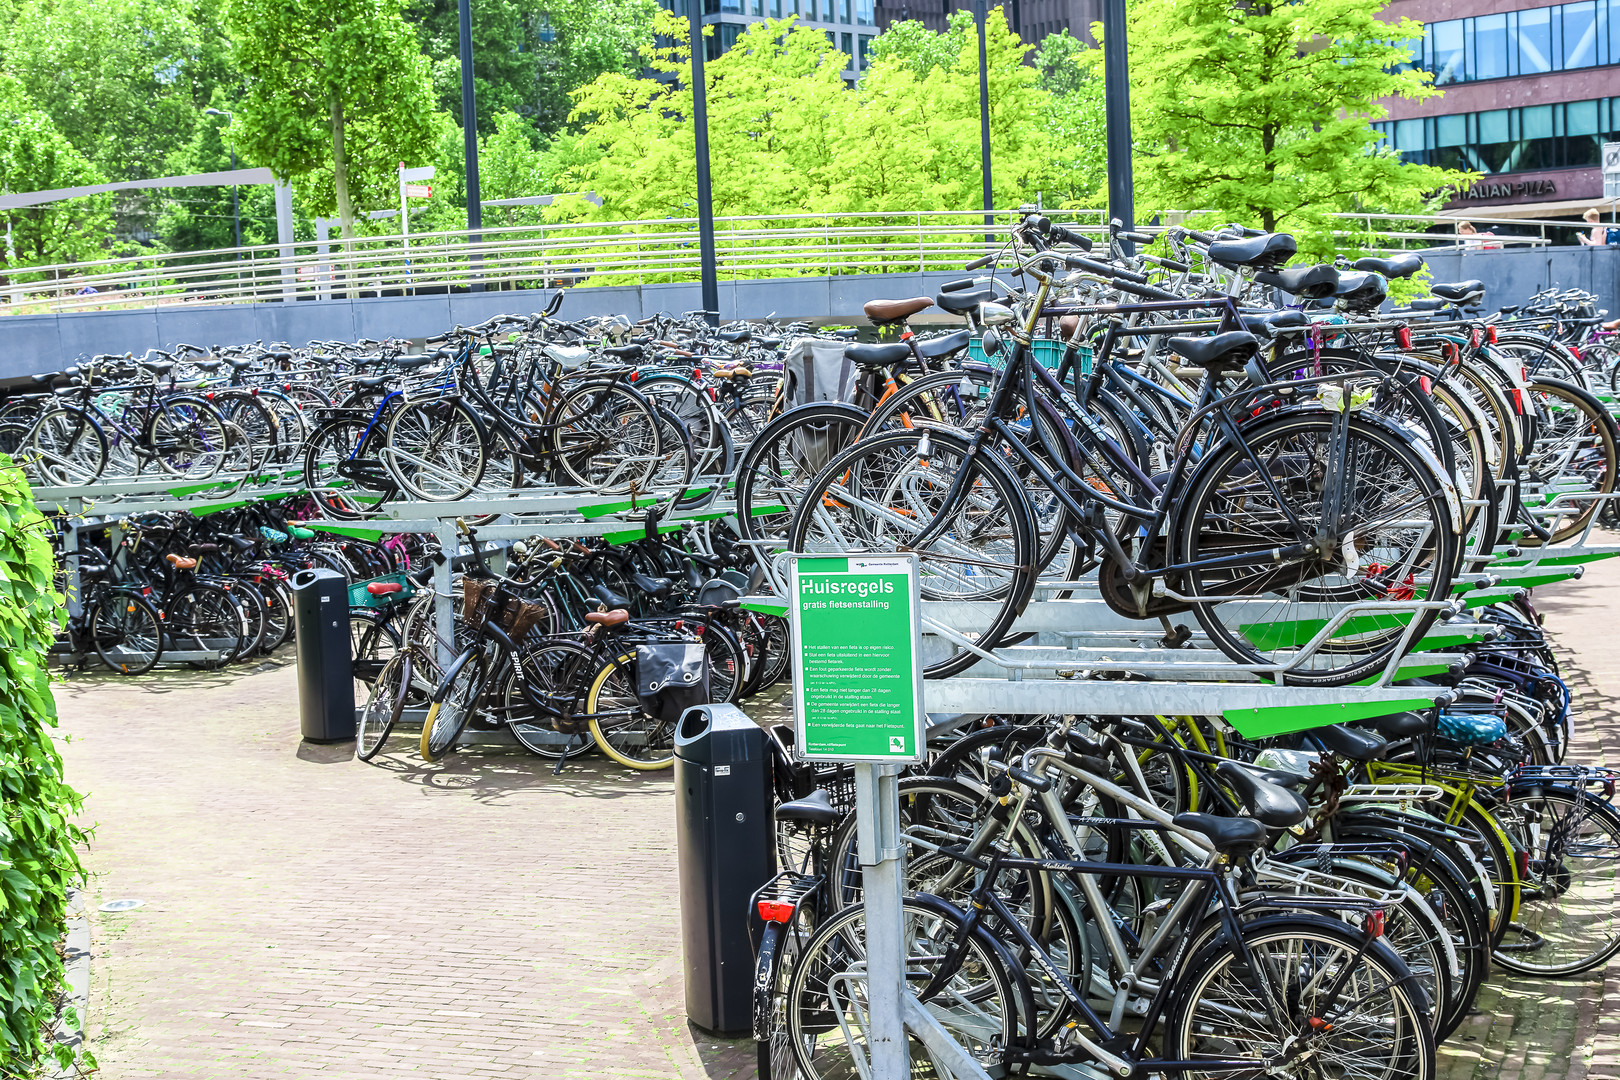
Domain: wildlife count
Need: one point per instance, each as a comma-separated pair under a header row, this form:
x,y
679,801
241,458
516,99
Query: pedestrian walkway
x,y
306,914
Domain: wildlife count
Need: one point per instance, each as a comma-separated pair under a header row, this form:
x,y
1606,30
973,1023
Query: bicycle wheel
x,y
556,675
1377,1023
882,493
785,456
126,633
187,438
714,453
778,956
65,447
1569,910
329,475
383,706
621,729
454,702
254,615
1574,451
205,618
826,996
1395,539
605,438
436,449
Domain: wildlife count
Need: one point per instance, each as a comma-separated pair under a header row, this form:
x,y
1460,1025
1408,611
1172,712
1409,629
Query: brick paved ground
x,y
307,914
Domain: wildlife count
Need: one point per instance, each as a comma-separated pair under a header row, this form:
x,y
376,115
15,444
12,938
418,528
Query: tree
x,y
1261,112
35,156
334,85
1077,175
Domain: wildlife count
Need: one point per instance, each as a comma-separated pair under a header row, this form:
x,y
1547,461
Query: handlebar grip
x,y
1147,291
1061,235
1201,237
1136,237
980,264
1029,780
1170,264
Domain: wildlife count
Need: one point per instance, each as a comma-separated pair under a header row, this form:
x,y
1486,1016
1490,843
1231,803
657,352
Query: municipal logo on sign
x,y
897,744
1611,157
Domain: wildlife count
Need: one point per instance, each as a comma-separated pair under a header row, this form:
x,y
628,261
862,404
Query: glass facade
x,y
1530,42
1561,136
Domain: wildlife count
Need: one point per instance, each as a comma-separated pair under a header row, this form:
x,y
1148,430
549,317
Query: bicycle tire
x,y
556,672
626,725
605,438
384,706
126,633
454,701
786,455
436,449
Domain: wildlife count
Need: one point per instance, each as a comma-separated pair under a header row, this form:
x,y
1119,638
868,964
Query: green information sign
x,y
857,672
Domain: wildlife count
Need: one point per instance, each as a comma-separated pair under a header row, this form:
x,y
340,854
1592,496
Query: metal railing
x,y
571,254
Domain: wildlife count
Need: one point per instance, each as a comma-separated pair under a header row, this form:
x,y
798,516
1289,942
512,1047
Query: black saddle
x,y
239,363
656,587
1458,291
412,360
1346,742
878,355
158,367
814,809
1275,322
1400,266
934,348
207,365
371,382
1232,349
769,343
609,597
1264,252
1311,282
1266,802
734,336
1427,303
624,352
1229,834
1362,290
963,301
1401,725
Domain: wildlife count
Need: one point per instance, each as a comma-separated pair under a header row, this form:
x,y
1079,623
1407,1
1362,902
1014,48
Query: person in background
x,y
1600,236
1472,238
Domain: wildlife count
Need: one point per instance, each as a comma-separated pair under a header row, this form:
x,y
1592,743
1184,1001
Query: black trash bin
x,y
723,836
325,668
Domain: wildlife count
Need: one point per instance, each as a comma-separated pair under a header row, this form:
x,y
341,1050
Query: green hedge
x,y
39,861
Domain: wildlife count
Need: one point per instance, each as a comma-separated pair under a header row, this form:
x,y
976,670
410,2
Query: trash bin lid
x,y
304,579
717,735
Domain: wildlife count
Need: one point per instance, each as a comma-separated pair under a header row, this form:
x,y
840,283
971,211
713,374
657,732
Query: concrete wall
x,y
37,343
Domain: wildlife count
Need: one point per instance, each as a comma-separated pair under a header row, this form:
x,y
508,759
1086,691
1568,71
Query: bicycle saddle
x,y
1362,290
624,352
1264,251
769,343
1458,290
281,354
877,355
964,301
934,348
1401,725
91,572
609,597
158,367
734,336
844,335
207,365
1310,282
814,809
204,549
1228,834
238,363
1426,303
1232,349
889,312
414,360
180,562
1471,729
371,382
738,372
241,543
1400,266
1266,802
657,587
1273,322
607,618
1346,742
384,588
1067,326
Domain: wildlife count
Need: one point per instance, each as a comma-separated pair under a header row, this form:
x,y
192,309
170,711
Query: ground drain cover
x,y
122,905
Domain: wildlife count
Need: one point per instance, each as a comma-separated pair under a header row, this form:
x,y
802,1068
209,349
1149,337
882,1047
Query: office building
x,y
1530,97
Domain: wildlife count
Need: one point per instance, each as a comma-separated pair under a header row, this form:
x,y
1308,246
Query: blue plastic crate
x,y
1048,354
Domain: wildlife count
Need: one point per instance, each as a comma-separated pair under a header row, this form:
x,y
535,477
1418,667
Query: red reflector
x,y
697,373
1518,400
1576,349
1427,384
1473,338
634,375
1490,334
1403,336
776,911
1375,923
1524,865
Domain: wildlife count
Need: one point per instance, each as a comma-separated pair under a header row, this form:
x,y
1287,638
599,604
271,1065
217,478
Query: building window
x,y
1580,35
862,44
1528,139
844,11
849,50
863,14
776,9
1490,60
1566,37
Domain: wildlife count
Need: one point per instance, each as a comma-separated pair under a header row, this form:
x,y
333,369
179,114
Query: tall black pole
x,y
469,131
1117,95
979,16
700,127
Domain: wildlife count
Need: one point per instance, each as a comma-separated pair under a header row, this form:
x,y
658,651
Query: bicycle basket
x,y
480,596
360,596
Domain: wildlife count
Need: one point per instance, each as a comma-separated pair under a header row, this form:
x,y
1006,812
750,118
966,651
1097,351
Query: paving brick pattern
x,y
310,915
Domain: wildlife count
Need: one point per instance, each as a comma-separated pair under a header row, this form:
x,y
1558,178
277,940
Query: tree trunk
x,y
340,172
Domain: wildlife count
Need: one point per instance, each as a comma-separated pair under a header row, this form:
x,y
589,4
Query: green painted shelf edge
x,y
1285,719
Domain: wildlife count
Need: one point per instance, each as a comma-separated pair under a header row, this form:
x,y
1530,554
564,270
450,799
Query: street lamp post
x,y
700,125
469,130
1117,109
236,212
979,16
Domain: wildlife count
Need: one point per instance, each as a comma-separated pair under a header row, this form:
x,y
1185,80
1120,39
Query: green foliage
x,y
335,88
913,45
35,155
1077,172
1260,112
38,860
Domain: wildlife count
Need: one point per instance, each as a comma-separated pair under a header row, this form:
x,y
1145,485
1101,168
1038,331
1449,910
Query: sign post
x,y
857,697
408,190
